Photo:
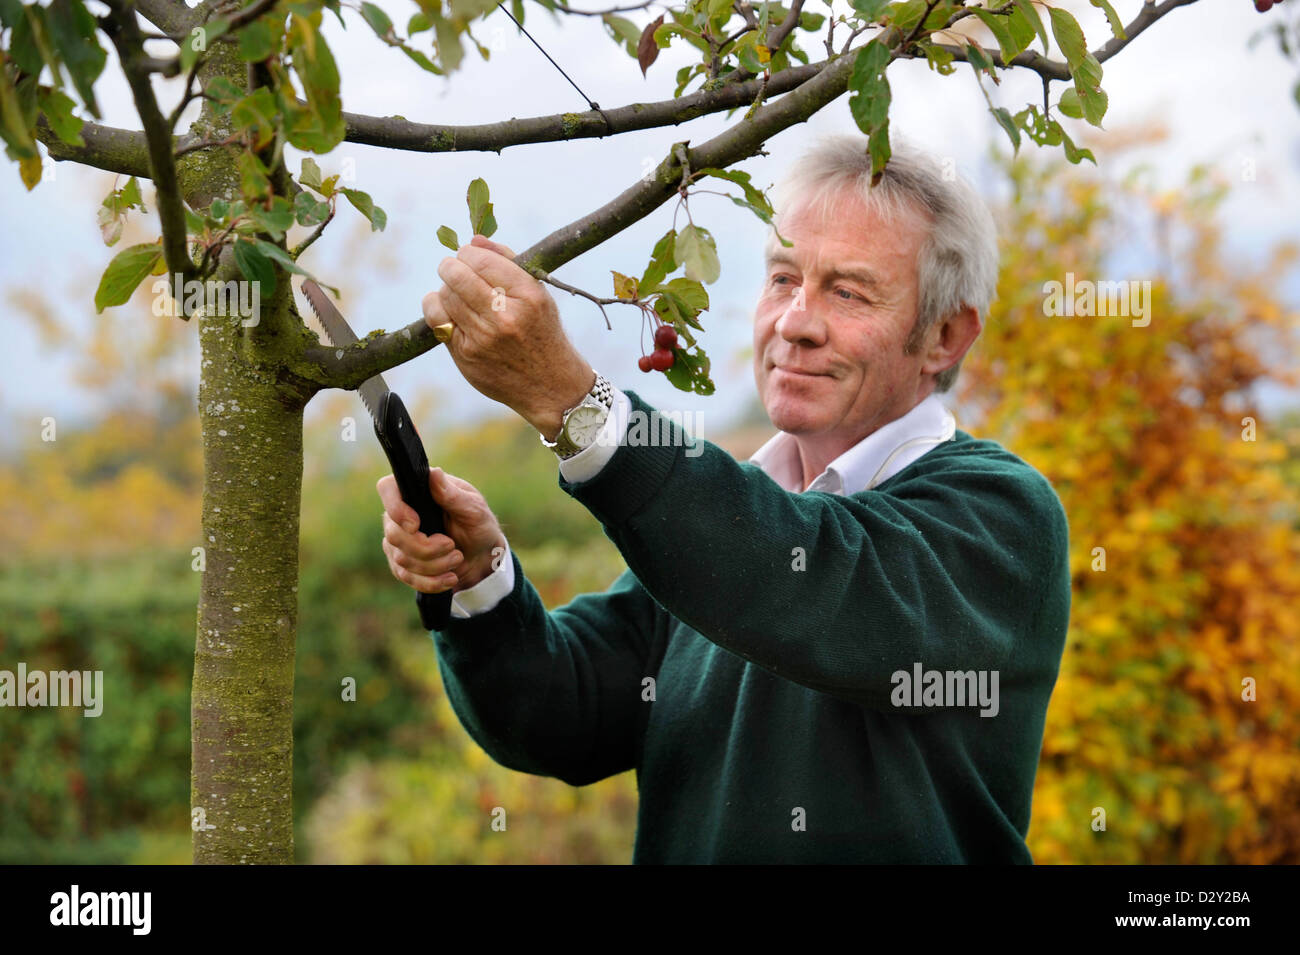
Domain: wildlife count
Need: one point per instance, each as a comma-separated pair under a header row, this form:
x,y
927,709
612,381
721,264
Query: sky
x,y
1223,102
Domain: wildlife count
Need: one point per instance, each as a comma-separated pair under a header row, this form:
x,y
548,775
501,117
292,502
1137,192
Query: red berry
x,y
666,337
1263,6
644,363
661,359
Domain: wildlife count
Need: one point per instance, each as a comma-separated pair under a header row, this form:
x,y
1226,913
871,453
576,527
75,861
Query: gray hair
x,y
958,261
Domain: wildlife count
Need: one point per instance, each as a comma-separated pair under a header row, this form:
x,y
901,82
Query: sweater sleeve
x,y
559,693
946,564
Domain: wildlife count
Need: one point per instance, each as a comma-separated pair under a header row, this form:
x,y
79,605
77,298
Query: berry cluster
x,y
661,359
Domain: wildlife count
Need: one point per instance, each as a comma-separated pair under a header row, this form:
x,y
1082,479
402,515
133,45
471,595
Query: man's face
x,y
829,364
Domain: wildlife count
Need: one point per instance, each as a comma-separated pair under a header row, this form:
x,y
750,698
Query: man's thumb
x,y
444,492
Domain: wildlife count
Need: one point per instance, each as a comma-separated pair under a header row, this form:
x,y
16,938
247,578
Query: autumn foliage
x,y
1185,548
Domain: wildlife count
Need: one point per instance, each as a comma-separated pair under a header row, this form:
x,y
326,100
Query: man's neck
x,y
817,451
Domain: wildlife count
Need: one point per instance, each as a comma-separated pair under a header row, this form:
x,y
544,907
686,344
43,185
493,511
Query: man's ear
x,y
948,341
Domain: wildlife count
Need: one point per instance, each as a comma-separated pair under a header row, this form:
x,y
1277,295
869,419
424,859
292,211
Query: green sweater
x,y
773,734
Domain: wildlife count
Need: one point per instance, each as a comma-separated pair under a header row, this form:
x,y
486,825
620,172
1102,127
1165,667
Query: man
x,y
840,651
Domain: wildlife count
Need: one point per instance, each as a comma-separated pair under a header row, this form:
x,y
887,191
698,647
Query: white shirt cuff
x,y
488,592
588,462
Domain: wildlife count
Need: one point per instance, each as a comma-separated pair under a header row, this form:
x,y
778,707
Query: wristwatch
x,y
582,422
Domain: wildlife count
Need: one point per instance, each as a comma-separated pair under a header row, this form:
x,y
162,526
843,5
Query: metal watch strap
x,y
602,393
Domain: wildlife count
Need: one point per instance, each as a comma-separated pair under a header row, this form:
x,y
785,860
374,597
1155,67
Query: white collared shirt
x,y
876,458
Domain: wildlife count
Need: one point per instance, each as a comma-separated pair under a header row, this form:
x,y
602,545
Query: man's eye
x,y
847,294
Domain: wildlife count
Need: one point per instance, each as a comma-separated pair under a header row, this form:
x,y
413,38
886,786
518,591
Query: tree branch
x,y
171,16
124,32
122,151
601,13
393,132
349,367
1056,70
777,37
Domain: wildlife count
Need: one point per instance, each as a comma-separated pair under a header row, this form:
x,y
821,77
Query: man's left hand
x,y
508,341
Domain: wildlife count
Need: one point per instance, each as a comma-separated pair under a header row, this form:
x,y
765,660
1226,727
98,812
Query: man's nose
x,y
800,322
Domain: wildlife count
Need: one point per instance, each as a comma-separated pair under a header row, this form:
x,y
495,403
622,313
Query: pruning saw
x,y
400,441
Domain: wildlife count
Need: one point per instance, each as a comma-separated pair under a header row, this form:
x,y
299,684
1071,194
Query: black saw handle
x,y
401,442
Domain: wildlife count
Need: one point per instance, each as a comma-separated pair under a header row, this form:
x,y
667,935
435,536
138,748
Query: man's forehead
x,y
823,221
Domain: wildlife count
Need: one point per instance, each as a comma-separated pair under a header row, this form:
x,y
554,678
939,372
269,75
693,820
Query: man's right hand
x,y
456,560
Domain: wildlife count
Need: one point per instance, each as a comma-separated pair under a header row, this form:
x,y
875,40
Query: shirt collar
x,y
876,458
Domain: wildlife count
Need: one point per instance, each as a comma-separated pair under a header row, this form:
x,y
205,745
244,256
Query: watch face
x,y
584,425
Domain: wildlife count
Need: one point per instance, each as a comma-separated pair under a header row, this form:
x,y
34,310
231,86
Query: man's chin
x,y
794,420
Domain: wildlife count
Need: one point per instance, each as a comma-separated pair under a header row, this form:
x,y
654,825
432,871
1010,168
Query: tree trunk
x,y
242,704
251,415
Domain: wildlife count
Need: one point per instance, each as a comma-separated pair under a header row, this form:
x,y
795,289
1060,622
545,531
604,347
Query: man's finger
x,y
496,270
435,313
396,508
462,279
485,242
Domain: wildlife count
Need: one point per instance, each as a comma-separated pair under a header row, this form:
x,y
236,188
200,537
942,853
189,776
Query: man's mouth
x,y
799,371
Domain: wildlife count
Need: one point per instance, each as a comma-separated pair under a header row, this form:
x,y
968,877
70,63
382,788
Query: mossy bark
x,y
251,416
242,704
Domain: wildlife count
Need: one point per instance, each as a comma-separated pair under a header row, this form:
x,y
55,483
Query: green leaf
x,y
366,206
1116,24
1022,31
979,61
1093,101
694,246
14,128
194,223
256,114
256,42
310,175
907,16
1003,116
1069,104
690,293
57,107
308,210
939,59
871,94
319,127
379,20
1001,30
253,179
1069,36
278,255
447,236
255,265
869,11
276,220
1087,72
72,30
878,147
128,269
422,61
481,219
1026,10
419,22
24,48
1072,152
219,209
450,51
661,263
